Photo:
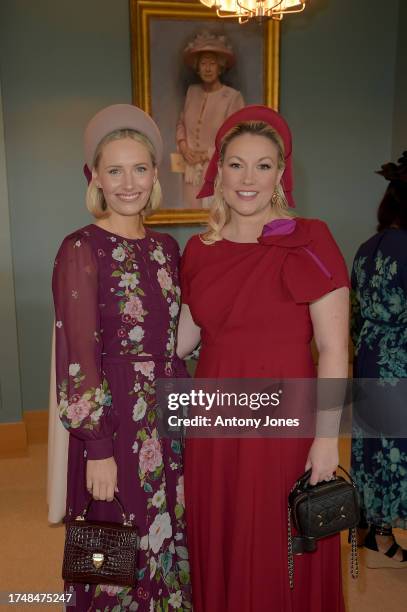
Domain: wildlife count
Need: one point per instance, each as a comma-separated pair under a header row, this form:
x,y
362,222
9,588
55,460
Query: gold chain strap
x,y
354,561
290,552
354,564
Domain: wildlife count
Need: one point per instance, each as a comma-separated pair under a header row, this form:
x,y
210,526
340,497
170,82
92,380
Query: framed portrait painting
x,y
167,71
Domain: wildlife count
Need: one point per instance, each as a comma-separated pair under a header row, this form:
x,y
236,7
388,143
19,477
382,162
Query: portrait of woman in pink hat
x,y
207,105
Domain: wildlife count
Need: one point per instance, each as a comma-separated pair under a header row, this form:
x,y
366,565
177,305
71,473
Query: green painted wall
x,y
400,97
62,61
337,92
10,384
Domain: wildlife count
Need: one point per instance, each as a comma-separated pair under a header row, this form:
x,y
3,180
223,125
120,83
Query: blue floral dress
x,y
379,333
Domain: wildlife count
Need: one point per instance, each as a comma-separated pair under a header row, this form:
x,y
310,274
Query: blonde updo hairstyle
x,y
219,213
95,201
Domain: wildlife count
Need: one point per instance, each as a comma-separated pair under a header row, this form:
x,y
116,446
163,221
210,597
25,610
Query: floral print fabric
x,y
379,333
117,303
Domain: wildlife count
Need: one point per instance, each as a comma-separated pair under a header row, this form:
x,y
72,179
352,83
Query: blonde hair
x,y
95,200
219,213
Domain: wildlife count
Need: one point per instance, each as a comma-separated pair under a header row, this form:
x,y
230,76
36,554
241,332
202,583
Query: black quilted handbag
x,y
100,552
319,511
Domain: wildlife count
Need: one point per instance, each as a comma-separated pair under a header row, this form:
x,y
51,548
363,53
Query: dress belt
x,y
133,358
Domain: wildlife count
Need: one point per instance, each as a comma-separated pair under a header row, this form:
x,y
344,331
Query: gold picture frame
x,y
142,12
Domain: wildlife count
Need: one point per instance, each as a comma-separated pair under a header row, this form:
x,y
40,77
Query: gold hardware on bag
x,y
330,520
98,559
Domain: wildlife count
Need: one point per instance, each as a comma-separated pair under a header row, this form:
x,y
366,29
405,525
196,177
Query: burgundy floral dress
x,y
116,305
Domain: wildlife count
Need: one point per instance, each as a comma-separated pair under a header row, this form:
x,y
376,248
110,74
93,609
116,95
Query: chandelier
x,y
259,9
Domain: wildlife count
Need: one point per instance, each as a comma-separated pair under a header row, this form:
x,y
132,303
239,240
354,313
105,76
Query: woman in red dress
x,y
257,287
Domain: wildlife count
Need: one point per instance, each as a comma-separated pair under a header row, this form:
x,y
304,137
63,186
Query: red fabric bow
x,y
252,113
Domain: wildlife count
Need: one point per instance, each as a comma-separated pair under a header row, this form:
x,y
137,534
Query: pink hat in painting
x,y
120,117
253,113
209,42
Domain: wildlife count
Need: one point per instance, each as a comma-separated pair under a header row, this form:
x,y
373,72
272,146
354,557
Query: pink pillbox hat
x,y
120,117
254,112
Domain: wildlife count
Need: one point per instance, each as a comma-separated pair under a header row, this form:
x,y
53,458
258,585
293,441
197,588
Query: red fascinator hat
x,y
253,113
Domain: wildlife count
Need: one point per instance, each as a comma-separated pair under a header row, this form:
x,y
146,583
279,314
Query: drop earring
x,y
276,198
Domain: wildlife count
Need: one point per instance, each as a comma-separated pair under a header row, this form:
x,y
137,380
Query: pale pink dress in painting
x,y
203,114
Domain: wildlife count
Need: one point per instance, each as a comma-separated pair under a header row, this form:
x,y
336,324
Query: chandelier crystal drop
x,y
243,10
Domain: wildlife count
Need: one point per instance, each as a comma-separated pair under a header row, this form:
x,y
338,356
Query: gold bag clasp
x,y
98,559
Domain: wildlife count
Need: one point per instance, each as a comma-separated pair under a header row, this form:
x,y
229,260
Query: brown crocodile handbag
x,y
100,552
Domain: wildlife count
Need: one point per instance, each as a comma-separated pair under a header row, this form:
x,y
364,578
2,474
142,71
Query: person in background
x,y
207,105
379,334
116,296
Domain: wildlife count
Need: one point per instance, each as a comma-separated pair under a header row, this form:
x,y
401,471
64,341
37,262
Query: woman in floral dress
x,y
379,331
116,297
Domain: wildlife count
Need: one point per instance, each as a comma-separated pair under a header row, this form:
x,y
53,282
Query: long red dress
x,y
252,304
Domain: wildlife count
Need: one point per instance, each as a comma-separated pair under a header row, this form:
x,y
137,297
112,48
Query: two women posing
x,y
257,279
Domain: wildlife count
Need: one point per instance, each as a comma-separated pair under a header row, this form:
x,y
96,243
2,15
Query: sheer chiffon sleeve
x,y
84,398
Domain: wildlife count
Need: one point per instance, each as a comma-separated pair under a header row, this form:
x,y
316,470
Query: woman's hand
x,y
190,156
323,458
101,478
204,157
